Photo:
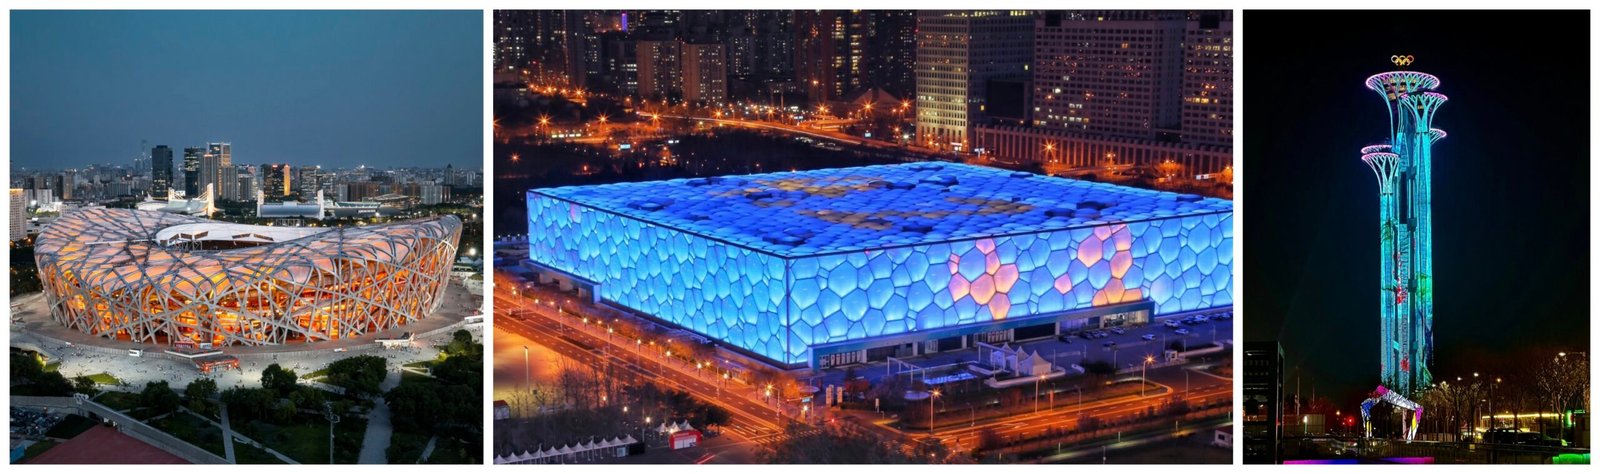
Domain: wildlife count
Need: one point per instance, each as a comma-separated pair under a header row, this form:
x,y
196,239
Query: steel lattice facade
x,y
163,278
779,263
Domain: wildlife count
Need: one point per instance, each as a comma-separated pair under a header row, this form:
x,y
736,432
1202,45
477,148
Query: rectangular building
x,y
958,53
1208,79
19,214
1117,73
660,69
840,266
705,74
1263,402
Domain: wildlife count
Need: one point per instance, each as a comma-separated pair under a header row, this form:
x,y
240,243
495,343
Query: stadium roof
x,y
873,207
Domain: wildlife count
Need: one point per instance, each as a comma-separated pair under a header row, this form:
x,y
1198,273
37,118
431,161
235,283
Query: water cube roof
x,y
851,209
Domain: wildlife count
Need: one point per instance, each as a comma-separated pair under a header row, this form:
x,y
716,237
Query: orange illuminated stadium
x,y
161,278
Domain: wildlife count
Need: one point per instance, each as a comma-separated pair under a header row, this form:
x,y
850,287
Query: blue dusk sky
x,y
330,88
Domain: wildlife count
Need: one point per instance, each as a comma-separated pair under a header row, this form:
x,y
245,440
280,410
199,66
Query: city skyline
x,y
343,89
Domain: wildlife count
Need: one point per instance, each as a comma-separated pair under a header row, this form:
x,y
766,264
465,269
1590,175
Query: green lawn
x,y
244,453
119,401
306,440
315,374
71,426
193,430
104,379
422,364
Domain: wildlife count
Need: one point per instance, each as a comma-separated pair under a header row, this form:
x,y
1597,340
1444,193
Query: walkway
x,y
375,446
227,435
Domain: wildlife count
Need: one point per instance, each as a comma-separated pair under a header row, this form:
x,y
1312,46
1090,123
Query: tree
x,y
84,385
159,398
279,379
415,406
460,343
198,395
359,376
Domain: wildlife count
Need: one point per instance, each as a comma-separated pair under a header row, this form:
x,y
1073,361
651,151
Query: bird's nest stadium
x,y
161,278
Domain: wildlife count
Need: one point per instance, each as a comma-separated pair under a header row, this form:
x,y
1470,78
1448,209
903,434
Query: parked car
x,y
1171,324
1148,337
1181,332
1110,344
1067,338
1118,331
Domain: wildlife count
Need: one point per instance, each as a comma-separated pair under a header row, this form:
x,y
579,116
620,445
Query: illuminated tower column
x,y
1385,166
1406,222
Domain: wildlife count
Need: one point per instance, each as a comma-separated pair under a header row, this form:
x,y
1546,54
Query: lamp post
x,y
1143,382
527,370
932,396
1036,382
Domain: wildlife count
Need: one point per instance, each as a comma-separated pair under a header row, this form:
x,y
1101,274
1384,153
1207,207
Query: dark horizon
x,y
336,88
1510,195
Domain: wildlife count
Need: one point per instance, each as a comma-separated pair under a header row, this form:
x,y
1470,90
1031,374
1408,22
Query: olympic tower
x,y
1404,168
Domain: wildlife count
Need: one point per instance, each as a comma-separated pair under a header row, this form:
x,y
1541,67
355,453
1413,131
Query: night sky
x,y
1511,199
330,88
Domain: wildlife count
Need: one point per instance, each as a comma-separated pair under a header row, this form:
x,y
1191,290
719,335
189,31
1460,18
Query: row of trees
x,y
448,404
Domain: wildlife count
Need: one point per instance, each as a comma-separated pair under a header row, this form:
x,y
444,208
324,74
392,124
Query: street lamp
x,y
527,370
1143,382
1036,393
934,395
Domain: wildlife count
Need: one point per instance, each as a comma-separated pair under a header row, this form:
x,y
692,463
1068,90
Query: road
x,y
752,422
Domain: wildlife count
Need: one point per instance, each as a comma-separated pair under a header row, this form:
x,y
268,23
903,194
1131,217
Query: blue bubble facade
x,y
777,263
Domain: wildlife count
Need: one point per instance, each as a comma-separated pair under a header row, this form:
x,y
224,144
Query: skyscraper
x,y
705,73
957,54
210,175
160,170
191,170
1404,168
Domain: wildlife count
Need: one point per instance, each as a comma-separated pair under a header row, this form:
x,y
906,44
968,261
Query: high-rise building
x,y
620,63
891,55
275,180
705,73
1403,165
434,194
228,183
957,54
308,181
211,174
1208,78
660,69
67,184
1263,401
247,183
160,170
191,170
830,48
513,38
19,214
1118,73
